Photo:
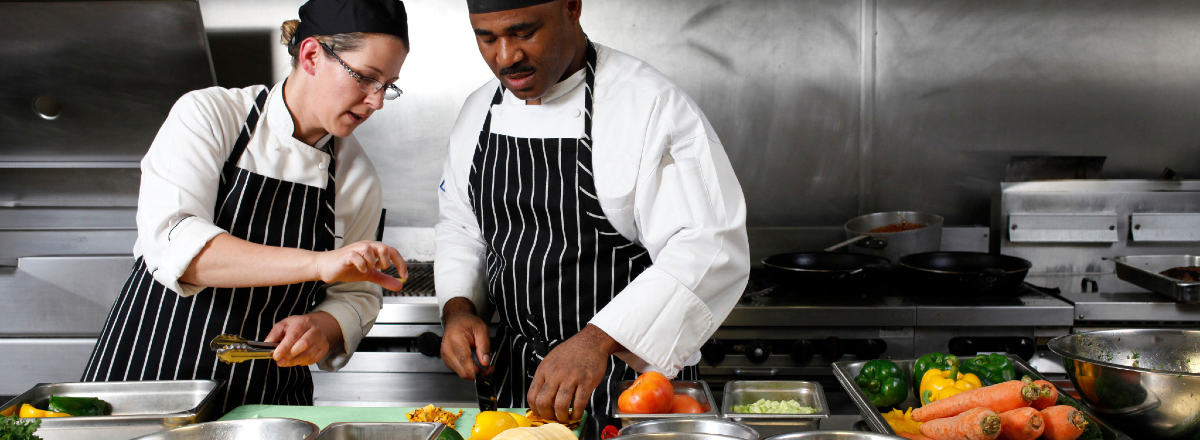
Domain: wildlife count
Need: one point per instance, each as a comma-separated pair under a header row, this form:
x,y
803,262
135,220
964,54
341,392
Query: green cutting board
x,y
323,416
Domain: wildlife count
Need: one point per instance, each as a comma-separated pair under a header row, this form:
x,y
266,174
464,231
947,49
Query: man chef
x,y
588,201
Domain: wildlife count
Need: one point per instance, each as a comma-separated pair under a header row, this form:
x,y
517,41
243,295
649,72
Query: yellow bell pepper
x,y
28,411
902,422
937,384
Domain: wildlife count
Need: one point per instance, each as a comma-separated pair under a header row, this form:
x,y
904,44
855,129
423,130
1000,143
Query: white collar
x,y
278,115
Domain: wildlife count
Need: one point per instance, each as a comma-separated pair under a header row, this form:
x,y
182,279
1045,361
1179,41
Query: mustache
x,y
516,69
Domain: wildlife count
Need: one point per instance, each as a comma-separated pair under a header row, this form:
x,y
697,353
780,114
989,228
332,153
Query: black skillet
x,y
967,273
821,271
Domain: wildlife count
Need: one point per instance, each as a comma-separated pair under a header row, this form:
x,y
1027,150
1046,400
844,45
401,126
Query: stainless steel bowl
x,y
833,435
676,436
247,429
1144,381
706,426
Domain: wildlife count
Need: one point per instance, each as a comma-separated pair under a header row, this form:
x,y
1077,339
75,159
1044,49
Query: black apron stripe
x,y
162,344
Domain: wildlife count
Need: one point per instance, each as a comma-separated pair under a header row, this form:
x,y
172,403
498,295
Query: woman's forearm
x,y
228,261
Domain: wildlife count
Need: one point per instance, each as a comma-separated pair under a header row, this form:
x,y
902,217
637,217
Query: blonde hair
x,y
348,42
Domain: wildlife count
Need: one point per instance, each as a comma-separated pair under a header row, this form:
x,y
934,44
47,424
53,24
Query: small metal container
x,y
1143,271
833,435
704,426
256,429
139,408
696,389
382,431
745,392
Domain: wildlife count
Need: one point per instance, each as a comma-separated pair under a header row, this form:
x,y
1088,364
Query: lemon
x,y
522,421
490,423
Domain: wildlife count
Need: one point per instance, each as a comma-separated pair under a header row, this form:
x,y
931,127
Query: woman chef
x,y
251,200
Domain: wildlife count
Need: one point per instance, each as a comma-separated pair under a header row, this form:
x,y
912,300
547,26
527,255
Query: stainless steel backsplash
x,y
828,109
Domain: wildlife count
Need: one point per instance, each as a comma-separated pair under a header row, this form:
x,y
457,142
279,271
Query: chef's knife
x,y
484,390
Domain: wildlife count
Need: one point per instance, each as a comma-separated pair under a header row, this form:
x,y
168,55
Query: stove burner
x,y
419,284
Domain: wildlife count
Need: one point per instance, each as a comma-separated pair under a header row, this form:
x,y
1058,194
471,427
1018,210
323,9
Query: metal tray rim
x,y
1178,290
713,409
85,421
875,420
437,431
727,407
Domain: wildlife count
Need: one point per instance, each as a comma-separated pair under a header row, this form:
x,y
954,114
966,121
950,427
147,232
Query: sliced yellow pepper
x,y
28,411
902,422
937,384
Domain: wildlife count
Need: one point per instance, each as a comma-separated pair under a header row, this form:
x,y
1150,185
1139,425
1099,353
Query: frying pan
x,y
964,272
820,270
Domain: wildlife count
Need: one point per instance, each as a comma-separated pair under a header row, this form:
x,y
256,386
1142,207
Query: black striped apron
x,y
554,260
152,333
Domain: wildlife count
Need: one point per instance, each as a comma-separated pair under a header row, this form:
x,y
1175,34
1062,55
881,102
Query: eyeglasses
x,y
367,84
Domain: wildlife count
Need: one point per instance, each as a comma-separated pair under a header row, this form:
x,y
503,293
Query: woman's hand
x,y
362,261
304,339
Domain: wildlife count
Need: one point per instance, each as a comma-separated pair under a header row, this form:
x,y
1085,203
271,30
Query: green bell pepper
x,y
80,406
930,361
991,368
883,382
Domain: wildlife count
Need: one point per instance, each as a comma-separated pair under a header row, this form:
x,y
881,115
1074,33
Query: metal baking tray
x,y
743,392
1143,271
267,428
139,408
697,389
382,431
847,371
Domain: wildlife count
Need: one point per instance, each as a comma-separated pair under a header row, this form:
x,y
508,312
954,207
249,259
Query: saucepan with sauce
x,y
894,234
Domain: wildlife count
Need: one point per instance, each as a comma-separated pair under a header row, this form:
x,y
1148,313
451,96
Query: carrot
x,y
1021,424
911,436
1000,397
1063,423
1049,395
973,424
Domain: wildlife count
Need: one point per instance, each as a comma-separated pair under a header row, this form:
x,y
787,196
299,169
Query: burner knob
x,y
802,351
1022,347
713,352
871,349
758,351
429,344
832,349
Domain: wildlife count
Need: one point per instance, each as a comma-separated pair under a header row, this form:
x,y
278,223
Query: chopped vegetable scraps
x,y
432,413
902,421
13,428
764,406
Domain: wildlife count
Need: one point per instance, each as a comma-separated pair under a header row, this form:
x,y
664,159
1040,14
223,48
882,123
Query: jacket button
x,y
578,113
321,166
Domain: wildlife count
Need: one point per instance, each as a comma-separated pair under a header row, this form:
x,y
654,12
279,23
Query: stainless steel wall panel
x,y
28,362
113,67
961,86
60,296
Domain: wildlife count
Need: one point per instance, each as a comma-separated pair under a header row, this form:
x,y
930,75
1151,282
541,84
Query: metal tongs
x,y
232,349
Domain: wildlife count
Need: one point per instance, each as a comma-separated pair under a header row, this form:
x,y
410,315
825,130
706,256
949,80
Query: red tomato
x,y
683,403
651,393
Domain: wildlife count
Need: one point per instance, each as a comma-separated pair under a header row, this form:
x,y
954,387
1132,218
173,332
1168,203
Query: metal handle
x,y
846,243
755,372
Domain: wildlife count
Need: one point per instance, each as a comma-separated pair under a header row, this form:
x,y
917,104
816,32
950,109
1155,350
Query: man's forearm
x,y
596,337
456,307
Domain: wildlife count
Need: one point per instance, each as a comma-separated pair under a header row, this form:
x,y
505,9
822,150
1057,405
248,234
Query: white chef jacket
x,y
664,182
182,170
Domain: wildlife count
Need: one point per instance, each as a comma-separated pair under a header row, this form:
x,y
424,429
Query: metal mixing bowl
x,y
247,429
705,426
1144,381
675,436
833,435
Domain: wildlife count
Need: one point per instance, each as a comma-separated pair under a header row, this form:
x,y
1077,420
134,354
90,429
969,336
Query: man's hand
x,y
566,378
362,261
465,332
304,339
